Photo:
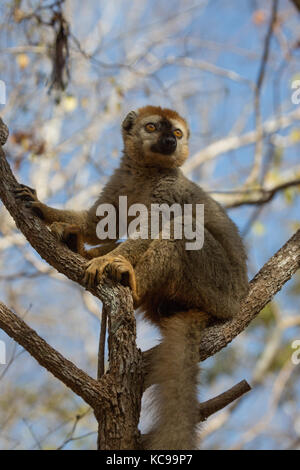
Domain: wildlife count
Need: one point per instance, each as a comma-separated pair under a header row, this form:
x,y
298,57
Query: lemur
x,y
179,290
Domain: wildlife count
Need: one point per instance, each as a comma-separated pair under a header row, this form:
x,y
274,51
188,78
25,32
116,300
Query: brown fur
x,y
163,112
170,284
175,372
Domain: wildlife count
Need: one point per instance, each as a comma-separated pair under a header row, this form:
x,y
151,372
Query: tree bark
x,y
116,397
296,4
119,391
267,282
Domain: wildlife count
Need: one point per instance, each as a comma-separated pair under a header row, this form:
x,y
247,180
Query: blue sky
x,y
221,33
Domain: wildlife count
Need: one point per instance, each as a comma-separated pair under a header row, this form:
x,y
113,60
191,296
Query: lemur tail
x,y
174,370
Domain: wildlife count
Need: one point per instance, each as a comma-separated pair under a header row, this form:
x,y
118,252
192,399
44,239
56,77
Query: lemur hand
x,y
28,194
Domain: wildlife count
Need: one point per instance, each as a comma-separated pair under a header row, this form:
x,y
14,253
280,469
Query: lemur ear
x,y
129,121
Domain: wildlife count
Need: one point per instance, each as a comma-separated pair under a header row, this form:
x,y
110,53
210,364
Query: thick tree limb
x,y
263,287
121,388
118,426
125,378
63,369
267,282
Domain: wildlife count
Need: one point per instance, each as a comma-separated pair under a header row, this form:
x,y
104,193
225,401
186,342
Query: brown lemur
x,y
178,289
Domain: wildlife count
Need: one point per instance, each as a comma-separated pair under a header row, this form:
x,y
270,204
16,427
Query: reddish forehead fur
x,y
163,112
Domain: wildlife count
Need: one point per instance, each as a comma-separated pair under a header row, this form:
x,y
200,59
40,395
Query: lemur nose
x,y
169,142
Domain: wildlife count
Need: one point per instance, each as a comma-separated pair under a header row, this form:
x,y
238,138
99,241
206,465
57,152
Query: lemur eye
x,y
178,133
150,127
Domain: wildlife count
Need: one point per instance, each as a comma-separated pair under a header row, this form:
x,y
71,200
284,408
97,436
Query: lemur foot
x,y
68,234
28,195
116,267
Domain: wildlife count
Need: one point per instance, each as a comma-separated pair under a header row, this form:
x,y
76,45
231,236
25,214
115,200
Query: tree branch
x,y
234,142
209,407
296,4
121,388
258,196
126,377
258,152
101,348
81,383
270,279
267,282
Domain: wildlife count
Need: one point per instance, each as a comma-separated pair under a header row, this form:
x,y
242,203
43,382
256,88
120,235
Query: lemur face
x,y
156,137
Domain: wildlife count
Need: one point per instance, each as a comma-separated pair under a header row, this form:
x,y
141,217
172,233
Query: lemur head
x,y
155,137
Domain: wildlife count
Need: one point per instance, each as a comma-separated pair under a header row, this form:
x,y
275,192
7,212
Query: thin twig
x,y
101,350
262,196
258,154
234,142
